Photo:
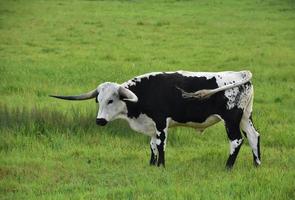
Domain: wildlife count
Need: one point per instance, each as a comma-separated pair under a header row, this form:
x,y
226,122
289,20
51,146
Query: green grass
x,y
51,149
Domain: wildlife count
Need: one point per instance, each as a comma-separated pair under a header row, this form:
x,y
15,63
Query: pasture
x,y
52,149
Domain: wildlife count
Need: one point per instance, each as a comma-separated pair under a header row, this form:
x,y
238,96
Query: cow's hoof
x,y
153,163
161,165
256,164
229,167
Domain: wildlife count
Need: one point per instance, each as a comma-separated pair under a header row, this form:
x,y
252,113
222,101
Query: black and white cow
x,y
153,102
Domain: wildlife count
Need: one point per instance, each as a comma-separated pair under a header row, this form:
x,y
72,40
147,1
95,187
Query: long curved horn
x,y
84,96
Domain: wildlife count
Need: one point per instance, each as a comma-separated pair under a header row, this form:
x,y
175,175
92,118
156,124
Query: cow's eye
x,y
110,101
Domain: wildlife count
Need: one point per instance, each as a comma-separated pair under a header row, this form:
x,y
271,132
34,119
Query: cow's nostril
x,y
101,121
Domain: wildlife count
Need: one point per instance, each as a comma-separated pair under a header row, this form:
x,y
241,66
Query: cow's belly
x,y
211,120
147,126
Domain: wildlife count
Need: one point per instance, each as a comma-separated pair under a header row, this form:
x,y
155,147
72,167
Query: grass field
x,y
52,149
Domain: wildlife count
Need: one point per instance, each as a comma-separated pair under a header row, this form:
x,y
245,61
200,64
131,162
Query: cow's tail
x,y
206,93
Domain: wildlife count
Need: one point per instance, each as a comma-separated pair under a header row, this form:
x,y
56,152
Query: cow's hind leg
x,y
253,138
236,141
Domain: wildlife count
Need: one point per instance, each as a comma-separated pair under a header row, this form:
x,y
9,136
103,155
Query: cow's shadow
x,y
48,121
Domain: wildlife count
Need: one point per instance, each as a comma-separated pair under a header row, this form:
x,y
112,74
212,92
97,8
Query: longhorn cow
x,y
151,103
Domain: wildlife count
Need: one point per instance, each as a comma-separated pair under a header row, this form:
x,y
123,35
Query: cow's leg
x,y
236,141
161,143
253,138
154,151
161,135
251,133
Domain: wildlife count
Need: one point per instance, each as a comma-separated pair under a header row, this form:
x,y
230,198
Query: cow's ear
x,y
127,95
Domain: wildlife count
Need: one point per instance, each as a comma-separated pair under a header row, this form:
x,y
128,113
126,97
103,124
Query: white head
x,y
111,98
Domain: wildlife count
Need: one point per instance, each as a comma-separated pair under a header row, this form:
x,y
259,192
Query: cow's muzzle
x,y
101,121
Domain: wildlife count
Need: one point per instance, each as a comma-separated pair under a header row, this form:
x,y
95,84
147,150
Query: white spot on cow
x,y
154,145
234,144
208,75
158,141
138,79
142,124
234,96
231,96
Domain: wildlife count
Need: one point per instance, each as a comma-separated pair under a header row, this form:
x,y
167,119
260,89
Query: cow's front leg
x,y
161,136
154,150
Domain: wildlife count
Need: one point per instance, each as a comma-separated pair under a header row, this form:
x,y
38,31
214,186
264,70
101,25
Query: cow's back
x,y
158,95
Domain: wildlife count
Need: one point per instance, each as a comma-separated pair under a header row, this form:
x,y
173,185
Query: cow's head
x,y
111,98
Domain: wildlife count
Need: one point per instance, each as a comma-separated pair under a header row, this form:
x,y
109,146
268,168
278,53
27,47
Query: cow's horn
x,y
127,94
84,96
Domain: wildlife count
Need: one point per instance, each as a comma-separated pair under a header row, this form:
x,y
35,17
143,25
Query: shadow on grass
x,y
47,121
